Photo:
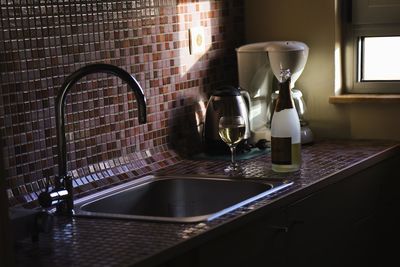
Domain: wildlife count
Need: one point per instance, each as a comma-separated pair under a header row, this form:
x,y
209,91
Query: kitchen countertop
x,y
105,242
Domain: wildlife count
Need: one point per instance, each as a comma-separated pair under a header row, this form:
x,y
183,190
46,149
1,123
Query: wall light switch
x,y
196,40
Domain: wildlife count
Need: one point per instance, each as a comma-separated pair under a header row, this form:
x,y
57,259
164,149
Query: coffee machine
x,y
257,64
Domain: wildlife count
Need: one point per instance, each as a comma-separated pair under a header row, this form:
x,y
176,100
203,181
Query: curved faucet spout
x,y
63,181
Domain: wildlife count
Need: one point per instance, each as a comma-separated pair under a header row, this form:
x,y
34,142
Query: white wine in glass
x,y
231,131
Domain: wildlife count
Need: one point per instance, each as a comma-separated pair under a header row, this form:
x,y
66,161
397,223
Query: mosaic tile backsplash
x,y
42,42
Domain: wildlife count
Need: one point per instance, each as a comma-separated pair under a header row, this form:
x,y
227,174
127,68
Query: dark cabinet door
x,y
344,223
318,226
258,243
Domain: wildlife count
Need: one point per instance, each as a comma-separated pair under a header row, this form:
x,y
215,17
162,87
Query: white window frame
x,y
378,20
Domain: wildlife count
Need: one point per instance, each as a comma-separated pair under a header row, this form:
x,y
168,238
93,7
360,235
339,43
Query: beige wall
x,y
313,22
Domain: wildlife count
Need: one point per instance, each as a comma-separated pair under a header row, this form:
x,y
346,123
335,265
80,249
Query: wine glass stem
x,y
233,152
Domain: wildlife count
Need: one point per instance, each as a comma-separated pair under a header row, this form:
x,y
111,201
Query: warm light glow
x,y
338,70
188,61
381,58
202,110
338,85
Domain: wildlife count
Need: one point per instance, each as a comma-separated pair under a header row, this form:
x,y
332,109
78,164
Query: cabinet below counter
x,y
343,210
352,222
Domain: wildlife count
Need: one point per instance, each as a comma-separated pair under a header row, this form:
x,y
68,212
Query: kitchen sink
x,y
175,199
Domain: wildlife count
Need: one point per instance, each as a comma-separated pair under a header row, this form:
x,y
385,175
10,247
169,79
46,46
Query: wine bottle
x,y
285,130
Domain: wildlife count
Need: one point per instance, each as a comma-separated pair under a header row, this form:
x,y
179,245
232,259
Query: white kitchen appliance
x,y
258,64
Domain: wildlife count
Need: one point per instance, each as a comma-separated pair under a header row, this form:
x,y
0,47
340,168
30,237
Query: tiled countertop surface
x,y
104,242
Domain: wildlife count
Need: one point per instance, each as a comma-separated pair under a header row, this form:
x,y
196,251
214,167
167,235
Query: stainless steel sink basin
x,y
175,199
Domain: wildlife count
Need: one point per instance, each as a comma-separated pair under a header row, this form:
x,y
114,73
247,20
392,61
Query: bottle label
x,y
281,150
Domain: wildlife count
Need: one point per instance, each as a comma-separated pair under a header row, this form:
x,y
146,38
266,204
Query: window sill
x,y
364,98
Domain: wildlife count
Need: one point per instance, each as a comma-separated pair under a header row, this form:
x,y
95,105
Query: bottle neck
x,y
285,100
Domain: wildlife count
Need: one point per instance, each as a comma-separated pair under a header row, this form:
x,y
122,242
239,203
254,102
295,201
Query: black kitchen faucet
x,y
62,195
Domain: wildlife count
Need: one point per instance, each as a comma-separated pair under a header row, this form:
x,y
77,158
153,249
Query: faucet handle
x,y
47,199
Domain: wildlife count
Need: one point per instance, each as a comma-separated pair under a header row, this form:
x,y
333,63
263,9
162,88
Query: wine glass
x,y
231,131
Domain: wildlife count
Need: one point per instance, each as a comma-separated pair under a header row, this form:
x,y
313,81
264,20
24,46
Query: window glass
x,y
380,58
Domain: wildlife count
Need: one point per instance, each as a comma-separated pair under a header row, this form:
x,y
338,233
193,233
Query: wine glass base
x,y
233,169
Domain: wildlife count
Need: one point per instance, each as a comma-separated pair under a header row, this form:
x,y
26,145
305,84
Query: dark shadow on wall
x,y
187,123
223,69
186,132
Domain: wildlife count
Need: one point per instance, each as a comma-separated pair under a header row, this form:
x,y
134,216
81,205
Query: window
x,y
372,41
378,59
